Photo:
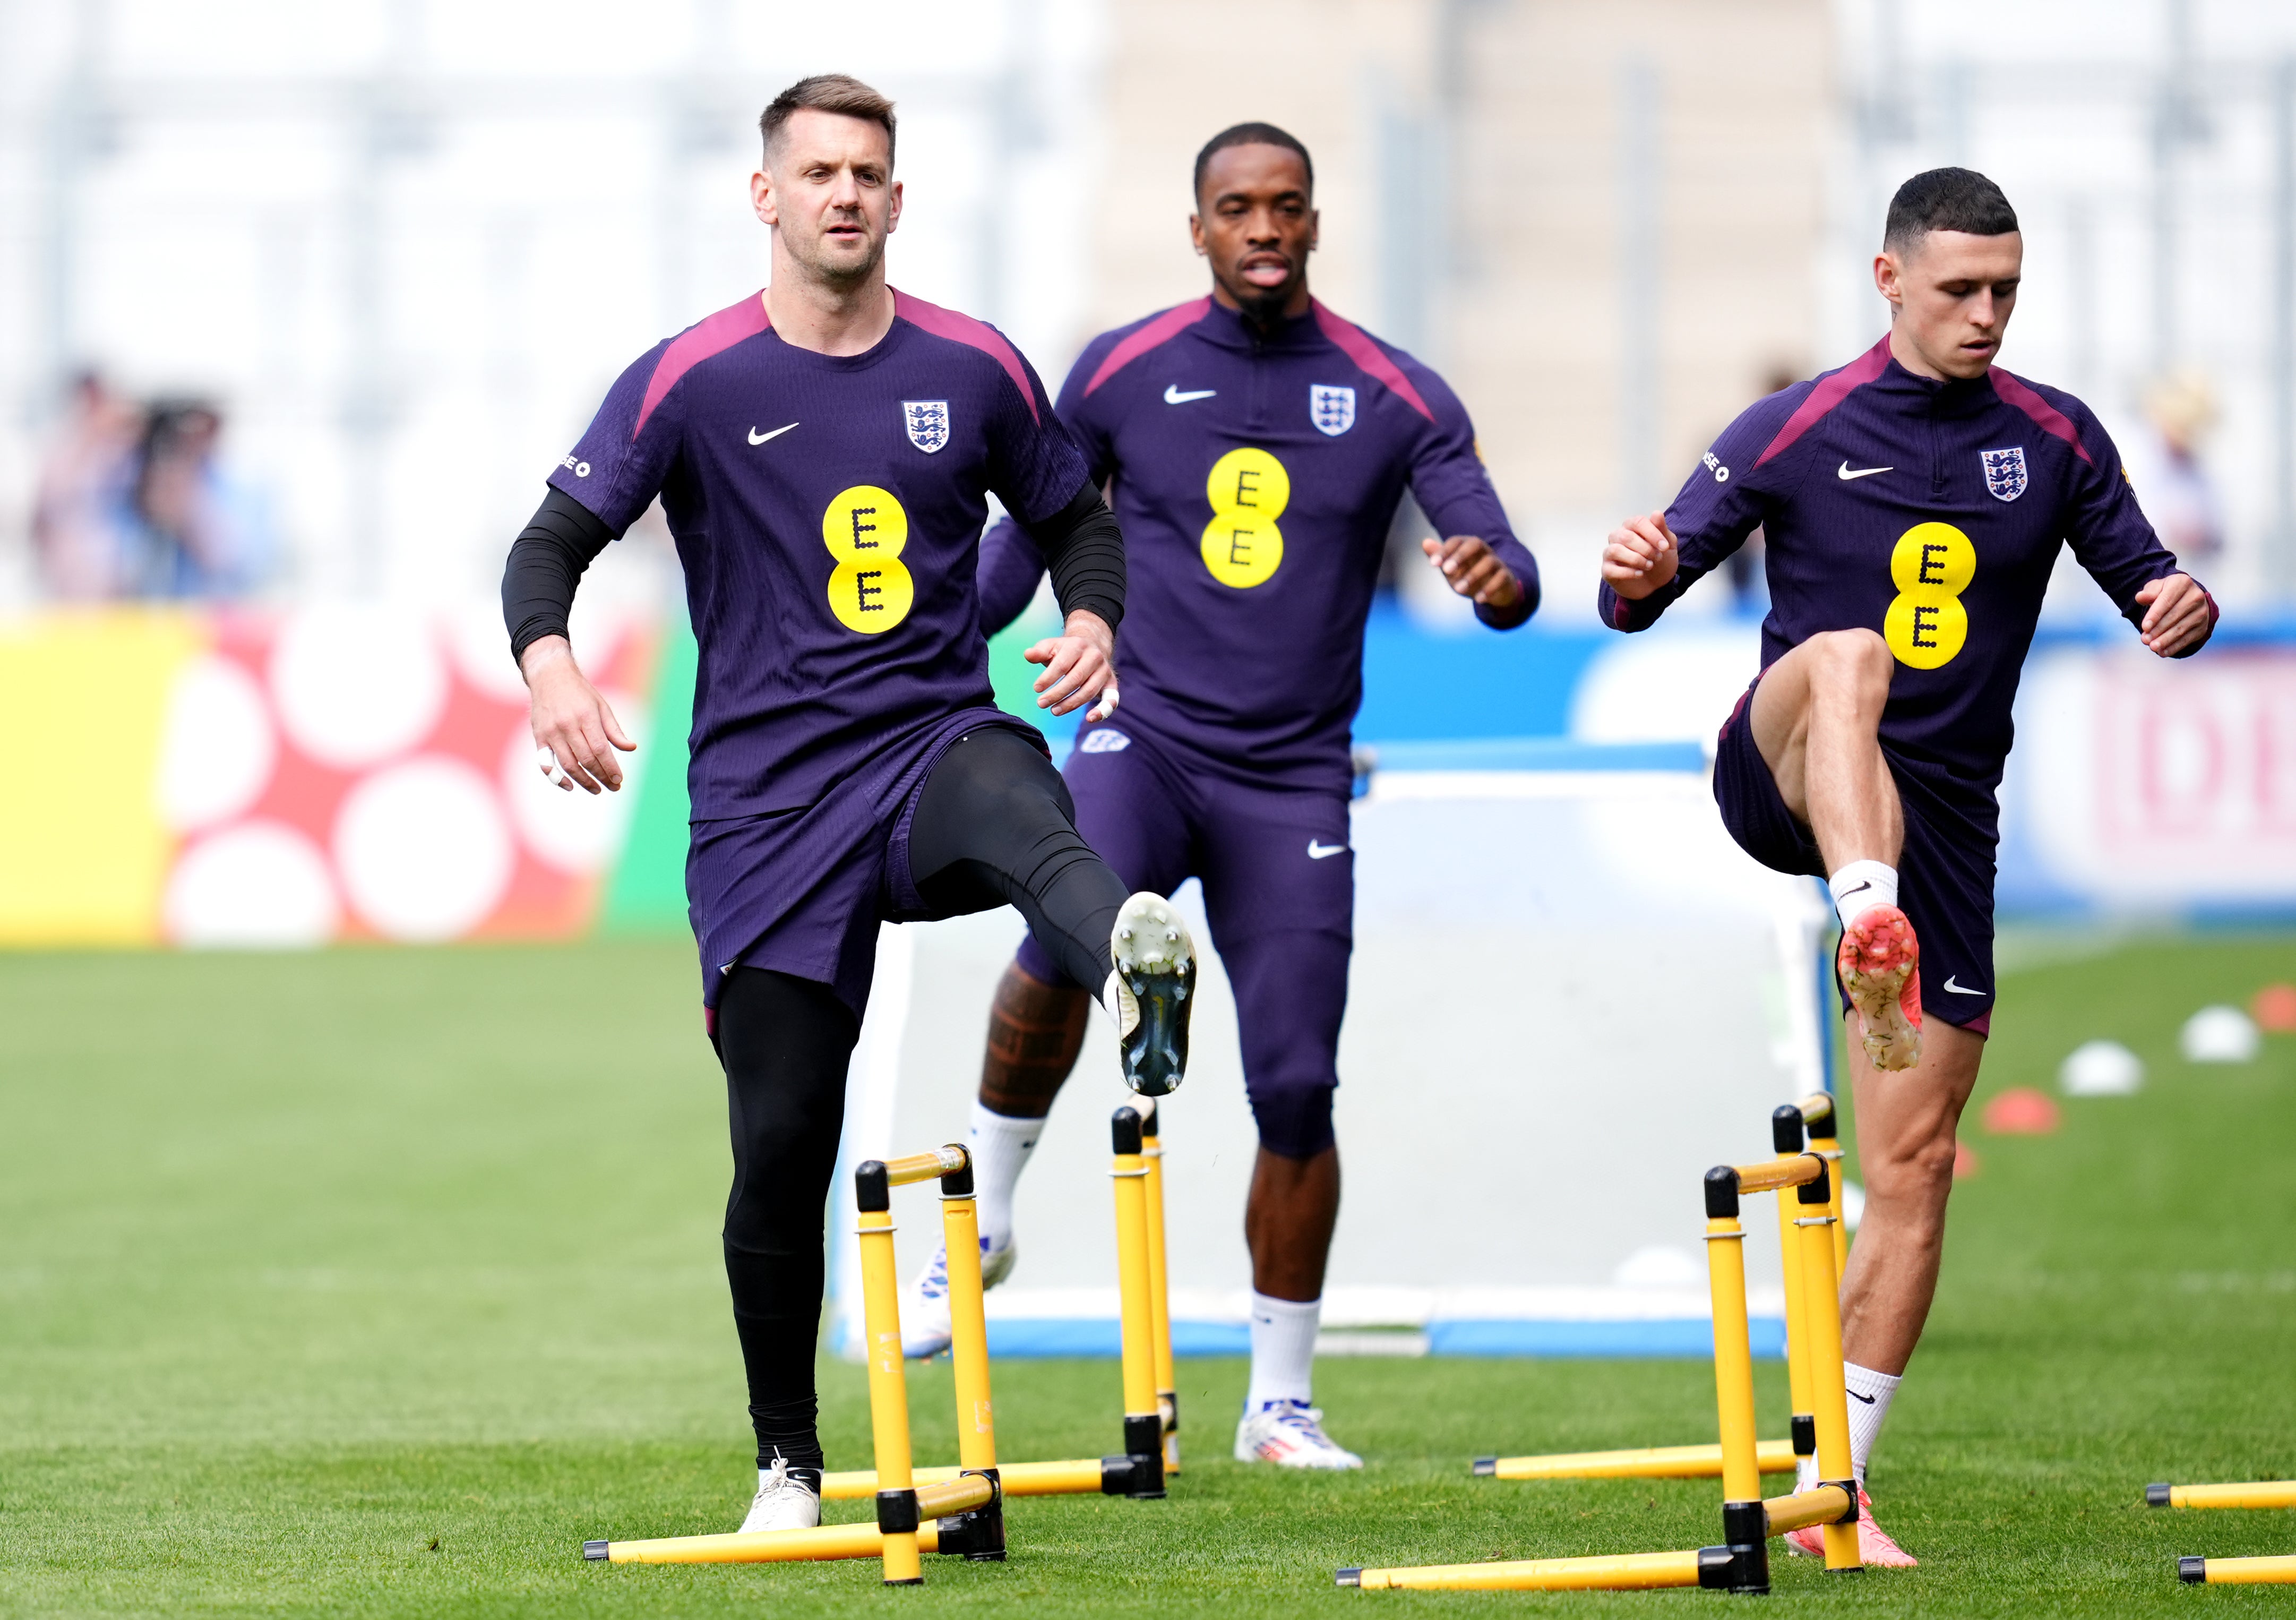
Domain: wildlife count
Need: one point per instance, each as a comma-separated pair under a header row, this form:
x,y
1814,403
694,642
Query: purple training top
x,y
1255,480
1930,512
828,511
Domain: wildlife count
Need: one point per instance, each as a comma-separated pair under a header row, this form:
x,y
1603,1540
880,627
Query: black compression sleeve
x,y
545,563
1084,552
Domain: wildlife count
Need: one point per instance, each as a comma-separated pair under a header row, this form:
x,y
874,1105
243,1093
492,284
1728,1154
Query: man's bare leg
x,y
1817,720
1906,1125
1035,1031
1288,1220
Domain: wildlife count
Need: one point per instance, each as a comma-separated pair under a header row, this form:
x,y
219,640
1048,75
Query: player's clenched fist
x,y
1640,557
2178,615
575,731
1474,570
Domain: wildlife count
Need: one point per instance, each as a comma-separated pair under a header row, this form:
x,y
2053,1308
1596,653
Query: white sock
x,y
1862,884
1000,1146
1282,1350
1870,1393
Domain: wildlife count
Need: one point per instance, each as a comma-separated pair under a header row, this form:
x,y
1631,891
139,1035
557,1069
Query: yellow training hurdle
x,y
1807,1183
2230,1571
1135,1472
960,1511
1814,1115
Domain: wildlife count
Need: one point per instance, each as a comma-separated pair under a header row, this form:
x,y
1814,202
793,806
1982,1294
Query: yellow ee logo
x,y
1249,489
1931,564
864,529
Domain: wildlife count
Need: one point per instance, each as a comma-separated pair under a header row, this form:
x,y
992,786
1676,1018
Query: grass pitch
x,y
373,1282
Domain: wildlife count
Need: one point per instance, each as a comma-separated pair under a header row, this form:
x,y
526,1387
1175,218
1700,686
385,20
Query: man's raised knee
x,y
1859,659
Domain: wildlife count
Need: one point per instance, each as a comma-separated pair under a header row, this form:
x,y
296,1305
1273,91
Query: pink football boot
x,y
1874,1543
1879,963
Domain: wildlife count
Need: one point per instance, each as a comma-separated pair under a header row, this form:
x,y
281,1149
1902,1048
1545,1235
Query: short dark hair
x,y
1946,200
1253,135
839,92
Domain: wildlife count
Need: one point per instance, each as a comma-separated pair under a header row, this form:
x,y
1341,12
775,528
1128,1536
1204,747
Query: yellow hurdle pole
x,y
1160,1295
925,1166
1820,1506
1786,1139
1824,1117
1822,1291
968,1322
964,1495
1075,1476
1647,1462
757,1546
973,1492
1766,1174
888,1394
1733,1385
2265,1494
1630,1572
1144,1422
2238,1572
981,1535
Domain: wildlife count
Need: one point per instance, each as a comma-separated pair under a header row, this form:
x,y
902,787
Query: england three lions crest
x,y
1332,408
2004,472
927,421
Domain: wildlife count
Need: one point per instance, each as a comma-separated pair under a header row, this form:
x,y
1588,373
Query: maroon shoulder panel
x,y
1829,393
1357,345
963,329
713,335
2048,418
1161,331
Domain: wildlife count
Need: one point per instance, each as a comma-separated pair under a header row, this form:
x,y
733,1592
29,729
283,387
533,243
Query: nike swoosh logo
x,y
757,438
1173,396
1844,473
1860,889
1961,990
1854,1396
1324,851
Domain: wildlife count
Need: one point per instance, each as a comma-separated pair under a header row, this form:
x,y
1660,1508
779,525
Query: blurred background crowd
x,y
136,499
297,303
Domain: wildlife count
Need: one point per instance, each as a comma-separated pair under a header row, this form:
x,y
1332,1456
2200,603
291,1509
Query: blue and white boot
x,y
1153,981
924,1305
1289,1433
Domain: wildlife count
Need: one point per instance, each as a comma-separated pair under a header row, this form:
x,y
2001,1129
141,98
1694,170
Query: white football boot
x,y
784,1501
924,1305
1290,1434
1155,976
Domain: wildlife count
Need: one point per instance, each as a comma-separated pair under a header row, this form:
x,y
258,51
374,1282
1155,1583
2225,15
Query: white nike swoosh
x,y
1844,472
1173,396
1324,851
1960,989
757,438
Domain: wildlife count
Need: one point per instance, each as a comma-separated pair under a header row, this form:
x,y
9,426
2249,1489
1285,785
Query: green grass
x,y
373,1282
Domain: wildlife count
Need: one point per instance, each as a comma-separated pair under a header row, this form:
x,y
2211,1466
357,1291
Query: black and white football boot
x,y
1153,983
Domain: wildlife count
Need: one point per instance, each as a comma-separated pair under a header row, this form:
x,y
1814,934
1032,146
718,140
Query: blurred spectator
x,y
1750,586
2177,494
81,517
198,533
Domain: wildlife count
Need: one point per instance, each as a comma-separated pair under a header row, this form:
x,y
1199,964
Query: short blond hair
x,y
838,93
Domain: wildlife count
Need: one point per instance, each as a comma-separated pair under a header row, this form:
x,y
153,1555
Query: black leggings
x,y
993,826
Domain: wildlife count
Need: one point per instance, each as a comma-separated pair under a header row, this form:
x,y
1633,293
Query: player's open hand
x,y
575,731
1079,667
1640,557
2177,616
1472,570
